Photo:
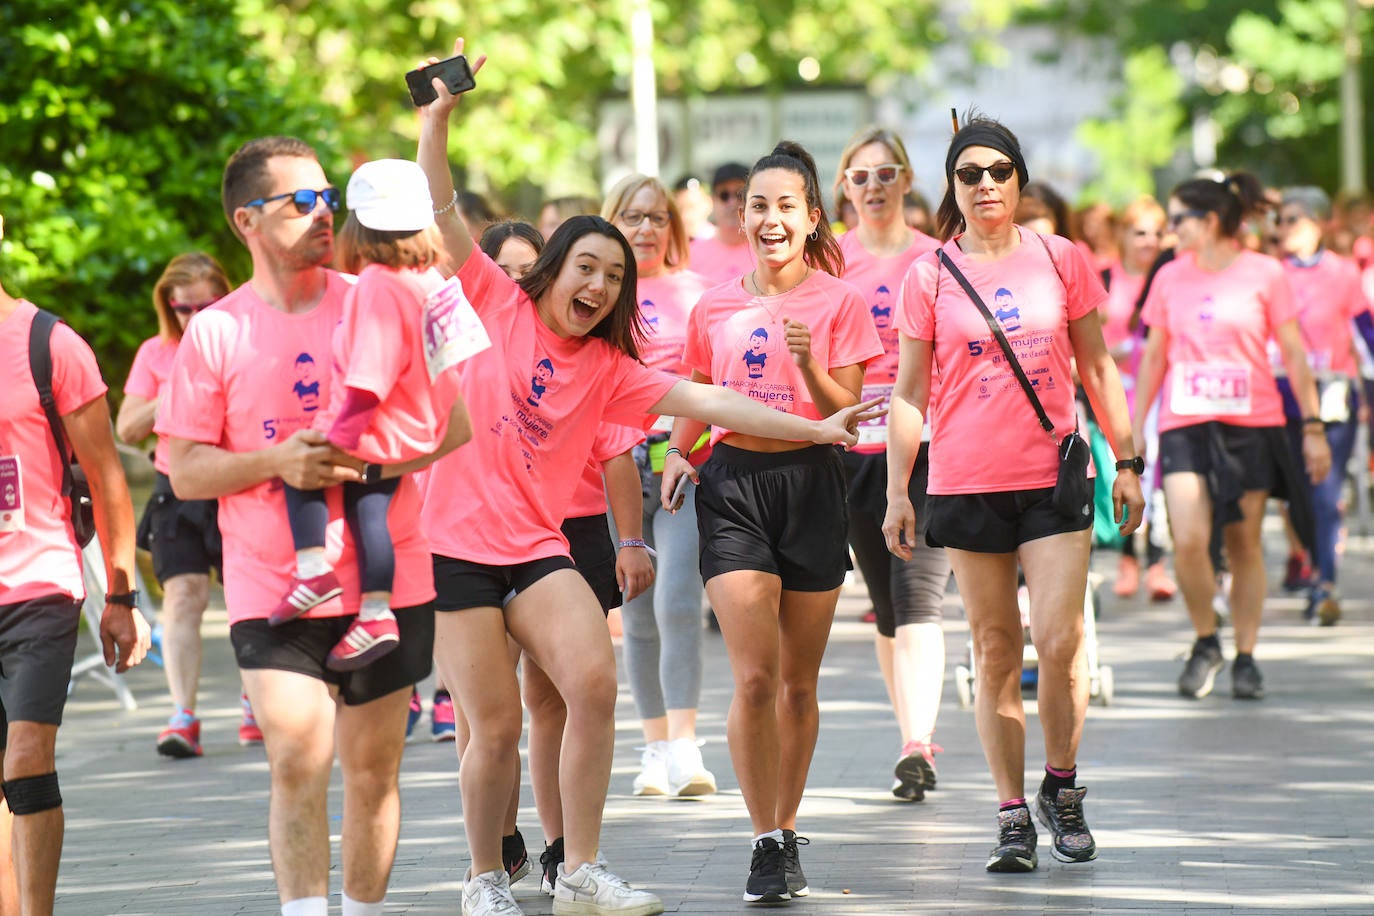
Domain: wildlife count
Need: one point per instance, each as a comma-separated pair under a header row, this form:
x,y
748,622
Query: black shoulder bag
x,y
75,487
1073,493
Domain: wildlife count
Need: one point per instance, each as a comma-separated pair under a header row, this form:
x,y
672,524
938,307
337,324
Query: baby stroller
x,y
1100,680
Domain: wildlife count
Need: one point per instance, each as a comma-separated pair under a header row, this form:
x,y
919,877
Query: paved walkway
x,y
1212,807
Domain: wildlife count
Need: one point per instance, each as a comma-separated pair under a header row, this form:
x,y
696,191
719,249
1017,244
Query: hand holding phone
x,y
454,71
679,493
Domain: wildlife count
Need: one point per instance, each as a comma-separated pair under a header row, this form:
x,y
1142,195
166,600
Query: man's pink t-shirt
x,y
737,339
152,365
380,347
246,377
879,281
612,440
1328,296
1219,324
719,262
989,438
665,303
536,402
39,557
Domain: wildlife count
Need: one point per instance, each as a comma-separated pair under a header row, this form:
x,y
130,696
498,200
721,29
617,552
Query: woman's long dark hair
x,y
623,328
823,251
1239,195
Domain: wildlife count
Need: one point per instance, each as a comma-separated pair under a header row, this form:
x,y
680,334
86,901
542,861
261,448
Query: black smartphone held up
x,y
454,71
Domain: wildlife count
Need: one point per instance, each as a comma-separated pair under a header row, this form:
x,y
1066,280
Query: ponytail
x,y
1235,198
822,249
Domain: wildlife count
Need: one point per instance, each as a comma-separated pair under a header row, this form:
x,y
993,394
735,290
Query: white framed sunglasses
x,y
884,174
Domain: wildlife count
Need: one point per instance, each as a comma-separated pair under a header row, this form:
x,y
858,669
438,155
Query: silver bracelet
x,y
448,206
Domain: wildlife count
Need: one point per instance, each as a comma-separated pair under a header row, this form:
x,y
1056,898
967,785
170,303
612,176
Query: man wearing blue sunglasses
x,y
238,430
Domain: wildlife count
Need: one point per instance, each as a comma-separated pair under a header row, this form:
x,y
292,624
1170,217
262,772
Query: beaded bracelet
x,y
638,542
448,206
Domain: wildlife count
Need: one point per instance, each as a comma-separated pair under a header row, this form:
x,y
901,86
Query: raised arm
x,y
432,156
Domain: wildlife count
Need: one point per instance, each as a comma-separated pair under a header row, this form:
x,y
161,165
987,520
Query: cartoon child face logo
x,y
755,358
11,496
649,312
543,372
1006,311
882,308
307,387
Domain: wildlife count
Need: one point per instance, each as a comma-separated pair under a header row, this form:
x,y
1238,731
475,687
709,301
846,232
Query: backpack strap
x,y
40,365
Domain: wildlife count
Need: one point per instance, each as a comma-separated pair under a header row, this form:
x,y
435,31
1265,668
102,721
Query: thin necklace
x,y
758,290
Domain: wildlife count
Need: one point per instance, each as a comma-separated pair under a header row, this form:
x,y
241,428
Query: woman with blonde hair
x,y
663,623
183,535
874,175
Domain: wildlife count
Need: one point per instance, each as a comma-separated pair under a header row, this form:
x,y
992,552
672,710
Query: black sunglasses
x,y
726,195
973,174
1176,218
304,199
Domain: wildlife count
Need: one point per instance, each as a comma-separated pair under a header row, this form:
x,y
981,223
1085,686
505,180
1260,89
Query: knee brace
x,y
32,794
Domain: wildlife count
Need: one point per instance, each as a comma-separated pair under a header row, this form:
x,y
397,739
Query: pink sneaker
x,y
249,733
441,722
303,595
915,770
181,738
365,642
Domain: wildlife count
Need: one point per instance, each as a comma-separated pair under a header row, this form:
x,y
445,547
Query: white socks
x,y
353,907
375,606
310,563
306,906
770,835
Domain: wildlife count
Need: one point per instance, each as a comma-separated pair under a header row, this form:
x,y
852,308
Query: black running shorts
x,y
37,646
996,522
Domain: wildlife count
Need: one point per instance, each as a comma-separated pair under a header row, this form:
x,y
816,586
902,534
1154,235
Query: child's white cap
x,y
391,195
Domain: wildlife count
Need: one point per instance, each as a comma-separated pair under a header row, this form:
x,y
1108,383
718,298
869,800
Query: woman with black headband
x,y
993,467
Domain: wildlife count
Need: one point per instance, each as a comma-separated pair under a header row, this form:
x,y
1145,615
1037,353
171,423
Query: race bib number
x,y
11,494
451,330
1206,389
874,432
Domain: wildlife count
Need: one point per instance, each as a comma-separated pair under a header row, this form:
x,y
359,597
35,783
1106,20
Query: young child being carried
x,y
404,330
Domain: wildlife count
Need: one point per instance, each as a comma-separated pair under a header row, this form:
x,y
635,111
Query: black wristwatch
x,y
1136,464
372,473
127,599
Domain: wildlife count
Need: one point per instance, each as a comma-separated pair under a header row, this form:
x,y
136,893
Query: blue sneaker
x,y
416,710
441,721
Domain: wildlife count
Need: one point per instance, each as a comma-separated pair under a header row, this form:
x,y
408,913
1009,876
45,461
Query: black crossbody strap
x,y
996,329
40,365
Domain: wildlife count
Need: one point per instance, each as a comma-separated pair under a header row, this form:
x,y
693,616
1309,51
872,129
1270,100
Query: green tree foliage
x,y
115,123
1267,72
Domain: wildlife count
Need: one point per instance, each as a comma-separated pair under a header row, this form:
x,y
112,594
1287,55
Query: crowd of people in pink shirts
x,y
434,445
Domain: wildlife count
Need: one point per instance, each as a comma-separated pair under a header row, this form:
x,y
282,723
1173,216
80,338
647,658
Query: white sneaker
x,y
687,774
653,770
593,891
488,894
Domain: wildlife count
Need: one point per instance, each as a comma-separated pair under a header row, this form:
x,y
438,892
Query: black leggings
x,y
365,510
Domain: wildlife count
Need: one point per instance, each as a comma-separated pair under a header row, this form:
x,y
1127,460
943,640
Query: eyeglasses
x,y
1176,218
632,218
886,174
304,199
726,195
973,174
183,308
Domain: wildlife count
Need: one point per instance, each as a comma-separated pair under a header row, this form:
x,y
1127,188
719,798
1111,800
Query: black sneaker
x,y
767,879
514,856
1015,849
549,860
1200,671
1246,681
791,863
1063,818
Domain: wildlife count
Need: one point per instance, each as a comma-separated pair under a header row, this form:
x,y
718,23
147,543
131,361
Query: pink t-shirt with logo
x,y
246,377
737,339
612,440
719,262
152,365
879,281
536,401
380,346
38,556
665,303
1328,296
1219,324
989,438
